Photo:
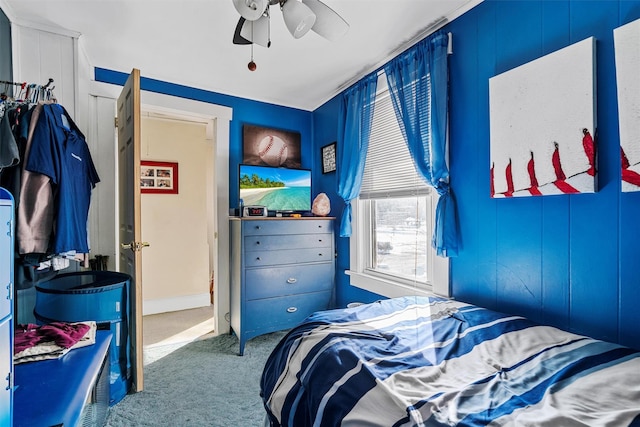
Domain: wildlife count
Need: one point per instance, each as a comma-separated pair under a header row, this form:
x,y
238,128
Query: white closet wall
x,y
39,55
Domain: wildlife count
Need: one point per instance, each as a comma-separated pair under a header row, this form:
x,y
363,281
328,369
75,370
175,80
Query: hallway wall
x,y
175,266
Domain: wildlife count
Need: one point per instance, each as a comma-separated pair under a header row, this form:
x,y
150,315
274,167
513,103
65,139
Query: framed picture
x,y
158,177
542,125
270,147
329,158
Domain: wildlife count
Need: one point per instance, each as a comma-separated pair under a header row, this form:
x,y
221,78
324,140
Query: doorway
x,y
104,222
176,269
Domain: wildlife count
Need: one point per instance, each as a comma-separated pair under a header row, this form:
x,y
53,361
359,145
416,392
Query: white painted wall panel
x,y
103,210
40,55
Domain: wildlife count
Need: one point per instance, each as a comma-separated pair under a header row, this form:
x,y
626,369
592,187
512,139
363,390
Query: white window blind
x,y
389,169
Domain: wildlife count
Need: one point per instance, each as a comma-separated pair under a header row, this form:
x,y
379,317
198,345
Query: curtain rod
x,y
449,50
430,29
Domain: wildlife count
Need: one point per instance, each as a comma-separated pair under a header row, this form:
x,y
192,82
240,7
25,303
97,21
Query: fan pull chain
x,y
252,65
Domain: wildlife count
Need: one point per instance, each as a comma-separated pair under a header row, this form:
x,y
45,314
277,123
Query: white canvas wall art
x,y
627,53
542,125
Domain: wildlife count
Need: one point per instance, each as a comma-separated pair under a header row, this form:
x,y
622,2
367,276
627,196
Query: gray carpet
x,y
204,383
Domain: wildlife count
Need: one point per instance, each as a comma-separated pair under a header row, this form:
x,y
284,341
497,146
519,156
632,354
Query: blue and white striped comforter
x,y
433,362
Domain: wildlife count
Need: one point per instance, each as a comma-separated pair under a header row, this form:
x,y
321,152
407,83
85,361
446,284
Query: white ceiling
x,y
189,42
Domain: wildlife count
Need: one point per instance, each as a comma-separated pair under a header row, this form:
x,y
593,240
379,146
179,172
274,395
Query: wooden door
x,y
128,123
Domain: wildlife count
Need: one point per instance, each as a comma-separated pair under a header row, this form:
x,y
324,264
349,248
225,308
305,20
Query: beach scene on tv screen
x,y
278,189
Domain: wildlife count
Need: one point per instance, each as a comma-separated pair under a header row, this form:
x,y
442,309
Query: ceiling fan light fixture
x,y
251,10
328,23
298,18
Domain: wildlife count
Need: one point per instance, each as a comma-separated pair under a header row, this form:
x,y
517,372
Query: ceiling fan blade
x,y
328,23
257,31
237,38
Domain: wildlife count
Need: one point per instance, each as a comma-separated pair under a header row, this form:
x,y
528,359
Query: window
x,y
393,218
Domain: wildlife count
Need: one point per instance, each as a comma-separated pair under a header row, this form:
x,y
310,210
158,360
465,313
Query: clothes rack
x,y
46,165
31,93
6,83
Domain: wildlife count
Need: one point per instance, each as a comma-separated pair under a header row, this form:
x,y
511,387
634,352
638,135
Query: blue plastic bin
x,y
101,296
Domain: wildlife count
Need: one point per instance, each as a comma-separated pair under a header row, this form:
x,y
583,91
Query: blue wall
x,y
245,111
568,260
319,127
564,260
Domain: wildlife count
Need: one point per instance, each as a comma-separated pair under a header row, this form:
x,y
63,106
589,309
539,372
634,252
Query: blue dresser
x,y
6,307
282,270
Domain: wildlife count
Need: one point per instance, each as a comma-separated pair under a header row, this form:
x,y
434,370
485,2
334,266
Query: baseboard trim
x,y
175,304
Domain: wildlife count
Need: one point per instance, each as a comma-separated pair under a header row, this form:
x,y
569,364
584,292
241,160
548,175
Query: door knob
x,y
134,246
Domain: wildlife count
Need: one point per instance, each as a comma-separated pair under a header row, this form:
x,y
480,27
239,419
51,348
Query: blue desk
x,y
54,392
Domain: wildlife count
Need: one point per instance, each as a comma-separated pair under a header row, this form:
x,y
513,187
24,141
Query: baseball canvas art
x,y
542,125
627,54
271,147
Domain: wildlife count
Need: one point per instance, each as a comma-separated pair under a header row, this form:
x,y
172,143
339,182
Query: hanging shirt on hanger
x,y
35,200
59,151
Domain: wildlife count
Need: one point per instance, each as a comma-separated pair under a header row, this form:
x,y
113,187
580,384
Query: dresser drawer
x,y
288,241
279,281
294,226
284,312
289,256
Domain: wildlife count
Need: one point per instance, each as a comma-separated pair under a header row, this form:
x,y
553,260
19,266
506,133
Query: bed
x,y
429,361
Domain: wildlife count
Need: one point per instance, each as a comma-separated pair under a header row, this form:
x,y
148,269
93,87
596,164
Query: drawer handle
x,y
258,259
258,242
320,240
257,227
292,280
292,309
319,254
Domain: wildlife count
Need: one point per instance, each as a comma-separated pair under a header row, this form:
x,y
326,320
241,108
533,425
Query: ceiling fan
x,y
299,16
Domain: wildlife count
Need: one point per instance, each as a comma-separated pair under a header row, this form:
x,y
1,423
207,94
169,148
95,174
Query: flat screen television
x,y
279,189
